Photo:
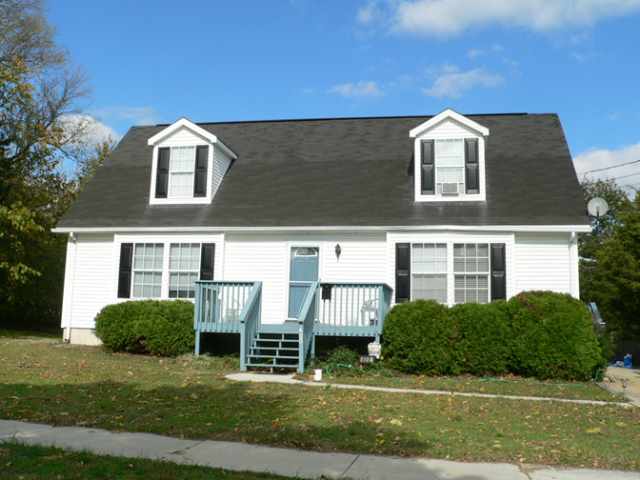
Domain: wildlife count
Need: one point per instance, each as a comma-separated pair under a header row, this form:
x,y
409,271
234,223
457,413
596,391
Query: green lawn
x,y
30,463
29,334
498,385
187,397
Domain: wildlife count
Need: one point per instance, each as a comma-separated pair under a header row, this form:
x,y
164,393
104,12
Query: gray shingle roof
x,y
342,172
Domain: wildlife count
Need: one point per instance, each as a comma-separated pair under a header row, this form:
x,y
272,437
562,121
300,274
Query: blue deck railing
x,y
221,306
306,322
353,309
329,309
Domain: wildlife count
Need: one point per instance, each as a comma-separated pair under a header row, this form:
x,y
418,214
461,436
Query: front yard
x,y
43,381
35,463
509,385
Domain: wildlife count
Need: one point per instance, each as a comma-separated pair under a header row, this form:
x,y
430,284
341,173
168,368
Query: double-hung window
x,y
449,166
429,271
184,269
471,272
147,270
181,172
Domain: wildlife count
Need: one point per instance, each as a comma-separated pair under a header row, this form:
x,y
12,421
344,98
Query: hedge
x,y
539,334
157,327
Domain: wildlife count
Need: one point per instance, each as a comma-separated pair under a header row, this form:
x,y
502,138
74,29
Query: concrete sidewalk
x,y
282,461
289,379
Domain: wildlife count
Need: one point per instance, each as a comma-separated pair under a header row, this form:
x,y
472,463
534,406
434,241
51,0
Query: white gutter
x,y
482,228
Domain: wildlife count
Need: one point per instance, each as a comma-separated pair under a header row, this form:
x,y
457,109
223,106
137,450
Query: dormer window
x,y
182,172
188,164
449,153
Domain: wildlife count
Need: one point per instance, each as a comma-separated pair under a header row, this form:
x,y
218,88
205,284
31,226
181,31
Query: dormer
x,y
188,164
449,153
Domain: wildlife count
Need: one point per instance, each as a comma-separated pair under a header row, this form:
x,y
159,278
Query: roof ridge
x,y
320,119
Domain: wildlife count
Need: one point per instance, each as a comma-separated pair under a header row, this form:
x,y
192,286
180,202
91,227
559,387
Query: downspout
x,y
574,271
66,329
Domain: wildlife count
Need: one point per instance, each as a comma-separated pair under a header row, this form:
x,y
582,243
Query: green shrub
x,y
148,326
483,347
341,359
553,337
420,338
539,334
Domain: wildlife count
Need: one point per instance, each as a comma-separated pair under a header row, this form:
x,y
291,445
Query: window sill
x,y
473,197
180,201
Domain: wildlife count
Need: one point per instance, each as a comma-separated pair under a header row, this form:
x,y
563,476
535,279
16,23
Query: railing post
x,y
197,313
301,352
243,348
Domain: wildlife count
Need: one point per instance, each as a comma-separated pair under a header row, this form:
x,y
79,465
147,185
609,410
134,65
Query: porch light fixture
x,y
338,250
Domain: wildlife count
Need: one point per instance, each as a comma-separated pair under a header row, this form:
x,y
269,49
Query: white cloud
x,y
474,53
451,17
135,115
359,89
452,83
369,13
87,130
595,159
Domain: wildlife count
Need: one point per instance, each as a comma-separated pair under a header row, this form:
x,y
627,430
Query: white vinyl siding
x,y
182,161
90,276
471,272
429,272
147,270
543,262
184,269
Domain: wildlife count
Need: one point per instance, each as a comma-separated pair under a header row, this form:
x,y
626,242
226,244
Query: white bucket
x,y
317,375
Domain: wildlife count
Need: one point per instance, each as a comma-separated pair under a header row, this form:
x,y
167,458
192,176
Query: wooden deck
x,y
329,309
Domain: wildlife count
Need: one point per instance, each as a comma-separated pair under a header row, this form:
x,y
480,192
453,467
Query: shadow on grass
x,y
272,415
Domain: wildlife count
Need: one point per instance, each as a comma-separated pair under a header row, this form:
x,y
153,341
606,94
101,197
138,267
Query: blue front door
x,y
303,271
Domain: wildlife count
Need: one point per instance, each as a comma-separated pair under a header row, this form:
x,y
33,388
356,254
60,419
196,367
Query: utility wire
x,y
613,166
624,176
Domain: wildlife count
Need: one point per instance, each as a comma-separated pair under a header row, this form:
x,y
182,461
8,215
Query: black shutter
x,y
403,272
200,182
427,171
124,270
471,165
207,259
498,272
162,173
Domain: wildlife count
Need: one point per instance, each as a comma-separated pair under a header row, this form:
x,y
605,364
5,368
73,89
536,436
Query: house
x,y
285,230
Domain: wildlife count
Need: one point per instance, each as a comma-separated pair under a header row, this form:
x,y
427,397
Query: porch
x,y
326,309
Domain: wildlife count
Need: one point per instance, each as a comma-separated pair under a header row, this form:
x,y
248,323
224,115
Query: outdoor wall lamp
x,y
338,250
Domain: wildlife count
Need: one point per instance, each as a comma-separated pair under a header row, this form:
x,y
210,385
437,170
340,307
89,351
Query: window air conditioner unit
x,y
450,189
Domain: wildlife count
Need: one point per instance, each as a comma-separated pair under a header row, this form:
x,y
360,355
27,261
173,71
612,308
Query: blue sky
x,y
155,61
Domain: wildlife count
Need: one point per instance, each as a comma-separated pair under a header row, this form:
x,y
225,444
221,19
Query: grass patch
x,y
31,463
509,385
188,397
29,334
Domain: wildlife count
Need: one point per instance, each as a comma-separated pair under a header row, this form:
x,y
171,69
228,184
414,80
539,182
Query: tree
x,y
37,89
615,278
602,227
88,163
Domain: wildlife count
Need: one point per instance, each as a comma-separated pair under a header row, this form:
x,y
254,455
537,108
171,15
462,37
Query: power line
x,y
613,166
624,176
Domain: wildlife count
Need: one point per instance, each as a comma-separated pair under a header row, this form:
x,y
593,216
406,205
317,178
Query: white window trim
x,y
437,197
450,238
425,131
450,273
166,240
163,139
134,270
181,201
169,271
488,273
